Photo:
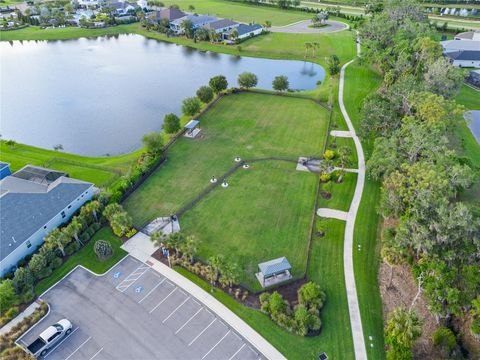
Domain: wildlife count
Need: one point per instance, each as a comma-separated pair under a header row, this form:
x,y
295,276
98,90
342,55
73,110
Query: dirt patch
x,y
326,195
400,292
462,326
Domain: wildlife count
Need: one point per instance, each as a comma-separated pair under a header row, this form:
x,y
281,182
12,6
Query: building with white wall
x,y
34,201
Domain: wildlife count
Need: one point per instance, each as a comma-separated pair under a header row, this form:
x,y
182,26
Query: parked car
x,y
49,337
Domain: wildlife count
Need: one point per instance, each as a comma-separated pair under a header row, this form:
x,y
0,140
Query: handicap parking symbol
x,y
138,289
117,274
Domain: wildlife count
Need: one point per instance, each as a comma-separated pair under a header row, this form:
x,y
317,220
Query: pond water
x,y
474,123
99,96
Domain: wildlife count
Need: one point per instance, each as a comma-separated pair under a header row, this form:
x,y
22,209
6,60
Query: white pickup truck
x,y
49,337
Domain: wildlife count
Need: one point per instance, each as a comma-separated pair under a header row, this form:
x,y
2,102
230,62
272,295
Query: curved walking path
x,y
352,297
302,27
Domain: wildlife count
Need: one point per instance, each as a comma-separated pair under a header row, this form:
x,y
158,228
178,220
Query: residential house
x,y
4,170
469,35
197,22
168,13
245,31
464,58
33,202
464,51
221,26
123,7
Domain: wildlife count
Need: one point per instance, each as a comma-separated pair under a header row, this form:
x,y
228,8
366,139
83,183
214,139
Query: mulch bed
x,y
325,195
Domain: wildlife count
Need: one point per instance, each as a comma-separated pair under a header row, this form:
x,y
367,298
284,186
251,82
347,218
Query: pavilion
x,y
274,272
192,129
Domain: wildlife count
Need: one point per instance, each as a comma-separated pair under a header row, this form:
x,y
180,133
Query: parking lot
x,y
133,312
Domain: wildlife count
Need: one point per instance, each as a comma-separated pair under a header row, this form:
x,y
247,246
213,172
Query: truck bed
x,y
36,346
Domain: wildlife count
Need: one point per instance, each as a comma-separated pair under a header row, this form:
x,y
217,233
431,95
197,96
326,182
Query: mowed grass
x,y
361,81
342,193
242,12
264,213
99,170
247,125
87,258
326,268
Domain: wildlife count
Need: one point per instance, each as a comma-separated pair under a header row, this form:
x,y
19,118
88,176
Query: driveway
x,y
302,27
133,312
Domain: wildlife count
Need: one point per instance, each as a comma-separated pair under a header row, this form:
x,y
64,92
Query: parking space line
x,y
173,312
197,302
69,356
98,352
166,297
191,318
253,350
60,343
214,346
156,286
238,337
196,337
134,276
241,347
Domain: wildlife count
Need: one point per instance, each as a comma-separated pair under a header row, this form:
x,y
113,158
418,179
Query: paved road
x,y
302,27
352,297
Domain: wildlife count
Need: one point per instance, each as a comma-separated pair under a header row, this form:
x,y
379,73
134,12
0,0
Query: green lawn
x,y
265,213
242,12
342,193
469,97
87,258
359,82
326,268
247,125
99,170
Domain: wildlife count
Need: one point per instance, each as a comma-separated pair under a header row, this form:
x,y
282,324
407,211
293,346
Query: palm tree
x,y
73,228
231,273
268,24
111,210
307,47
403,327
92,207
315,45
157,238
175,241
344,156
55,239
234,34
217,262
190,248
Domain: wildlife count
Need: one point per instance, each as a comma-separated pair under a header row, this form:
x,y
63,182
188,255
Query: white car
x,y
49,337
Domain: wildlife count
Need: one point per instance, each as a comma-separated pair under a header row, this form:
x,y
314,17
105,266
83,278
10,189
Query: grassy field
x,y
87,258
359,82
242,12
247,125
326,268
265,213
99,170
342,193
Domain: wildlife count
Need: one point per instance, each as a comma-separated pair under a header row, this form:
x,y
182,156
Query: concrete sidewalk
x,y
341,133
331,213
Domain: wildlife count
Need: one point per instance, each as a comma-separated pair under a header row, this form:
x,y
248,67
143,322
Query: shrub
x,y
329,154
153,142
12,312
130,233
103,249
205,94
84,238
191,106
475,327
311,296
444,339
57,261
171,123
333,65
23,279
325,178
218,83
8,296
27,296
37,265
72,248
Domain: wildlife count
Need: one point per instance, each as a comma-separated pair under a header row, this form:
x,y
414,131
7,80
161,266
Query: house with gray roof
x,y
34,201
197,22
274,272
246,31
169,13
464,58
221,25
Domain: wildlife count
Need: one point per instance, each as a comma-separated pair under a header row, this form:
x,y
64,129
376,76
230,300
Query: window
x,y
63,214
69,206
82,195
45,227
29,244
53,336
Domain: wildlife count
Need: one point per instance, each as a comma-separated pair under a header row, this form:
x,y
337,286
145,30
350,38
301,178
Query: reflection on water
x,y
99,96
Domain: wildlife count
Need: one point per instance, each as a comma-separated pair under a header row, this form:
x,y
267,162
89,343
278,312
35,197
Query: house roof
x,y
469,35
3,165
220,24
275,266
464,55
192,124
454,45
195,19
26,206
245,29
169,13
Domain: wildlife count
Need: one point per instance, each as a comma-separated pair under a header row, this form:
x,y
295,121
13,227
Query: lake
x,y
99,96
